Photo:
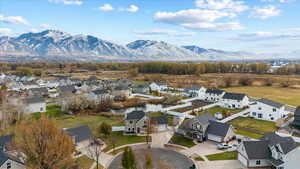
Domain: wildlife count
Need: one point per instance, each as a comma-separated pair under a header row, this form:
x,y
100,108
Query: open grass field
x,y
253,125
181,140
222,110
279,94
231,155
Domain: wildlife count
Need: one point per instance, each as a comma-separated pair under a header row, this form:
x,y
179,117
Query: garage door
x,y
162,127
214,138
242,159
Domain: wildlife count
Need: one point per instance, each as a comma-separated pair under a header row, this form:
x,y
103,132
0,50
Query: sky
x,y
261,26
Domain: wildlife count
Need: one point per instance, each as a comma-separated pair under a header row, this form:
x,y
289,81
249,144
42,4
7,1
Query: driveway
x,y
161,138
228,164
202,149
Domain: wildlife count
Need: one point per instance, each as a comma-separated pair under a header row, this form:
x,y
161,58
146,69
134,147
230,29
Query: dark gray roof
x,y
4,140
80,133
35,99
99,92
160,119
297,111
276,162
287,144
214,91
121,88
41,89
234,96
161,83
69,88
257,149
135,115
205,118
218,128
270,103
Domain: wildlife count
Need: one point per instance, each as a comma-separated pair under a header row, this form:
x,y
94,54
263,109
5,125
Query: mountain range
x,y
54,43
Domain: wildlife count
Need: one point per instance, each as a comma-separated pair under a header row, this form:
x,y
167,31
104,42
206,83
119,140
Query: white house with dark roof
x,y
234,101
271,151
136,123
8,158
266,109
100,94
82,136
160,86
35,104
214,95
196,91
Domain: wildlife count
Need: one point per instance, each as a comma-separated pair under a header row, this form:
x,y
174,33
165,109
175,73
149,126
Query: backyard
x,y
181,140
224,111
252,127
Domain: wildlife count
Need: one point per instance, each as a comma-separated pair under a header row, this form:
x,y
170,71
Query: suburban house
x,y
159,123
296,121
43,91
196,91
271,151
266,109
234,101
66,91
29,85
136,122
82,136
214,95
9,157
205,127
34,104
121,91
158,86
143,89
99,94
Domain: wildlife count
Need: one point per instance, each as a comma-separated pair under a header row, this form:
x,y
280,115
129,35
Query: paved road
x,y
228,164
162,158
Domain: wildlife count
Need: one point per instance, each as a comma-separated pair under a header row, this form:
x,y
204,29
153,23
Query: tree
x,y
128,159
95,152
44,145
148,160
105,129
133,72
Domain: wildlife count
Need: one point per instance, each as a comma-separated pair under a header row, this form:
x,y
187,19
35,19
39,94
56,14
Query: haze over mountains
x,y
54,43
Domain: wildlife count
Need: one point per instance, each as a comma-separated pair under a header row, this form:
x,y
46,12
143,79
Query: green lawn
x,y
181,140
216,109
231,155
279,94
84,162
120,140
198,158
253,125
248,134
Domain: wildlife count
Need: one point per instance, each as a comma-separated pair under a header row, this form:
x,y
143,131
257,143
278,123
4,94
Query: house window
x,y
41,109
130,121
258,162
128,129
260,115
274,110
253,113
272,118
259,108
8,165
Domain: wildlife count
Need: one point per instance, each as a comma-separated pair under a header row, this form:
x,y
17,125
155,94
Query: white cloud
x,y
47,26
191,16
106,7
227,26
165,32
5,31
33,30
230,5
265,12
67,2
280,1
132,8
261,36
13,20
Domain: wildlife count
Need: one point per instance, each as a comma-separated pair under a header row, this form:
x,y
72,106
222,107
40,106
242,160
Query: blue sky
x,y
247,25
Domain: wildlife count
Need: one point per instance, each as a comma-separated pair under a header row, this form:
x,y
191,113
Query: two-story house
x,y
82,137
136,123
214,95
266,109
271,151
234,101
34,104
205,127
121,91
143,89
158,86
196,91
100,95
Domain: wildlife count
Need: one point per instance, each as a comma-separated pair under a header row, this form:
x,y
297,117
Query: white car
x,y
224,146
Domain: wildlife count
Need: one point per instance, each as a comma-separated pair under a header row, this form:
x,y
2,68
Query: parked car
x,y
223,146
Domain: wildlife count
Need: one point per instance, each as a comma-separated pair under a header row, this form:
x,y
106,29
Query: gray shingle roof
x,y
135,115
160,120
214,91
69,88
257,149
297,112
4,140
234,96
217,128
287,144
99,92
270,103
35,99
205,118
80,133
